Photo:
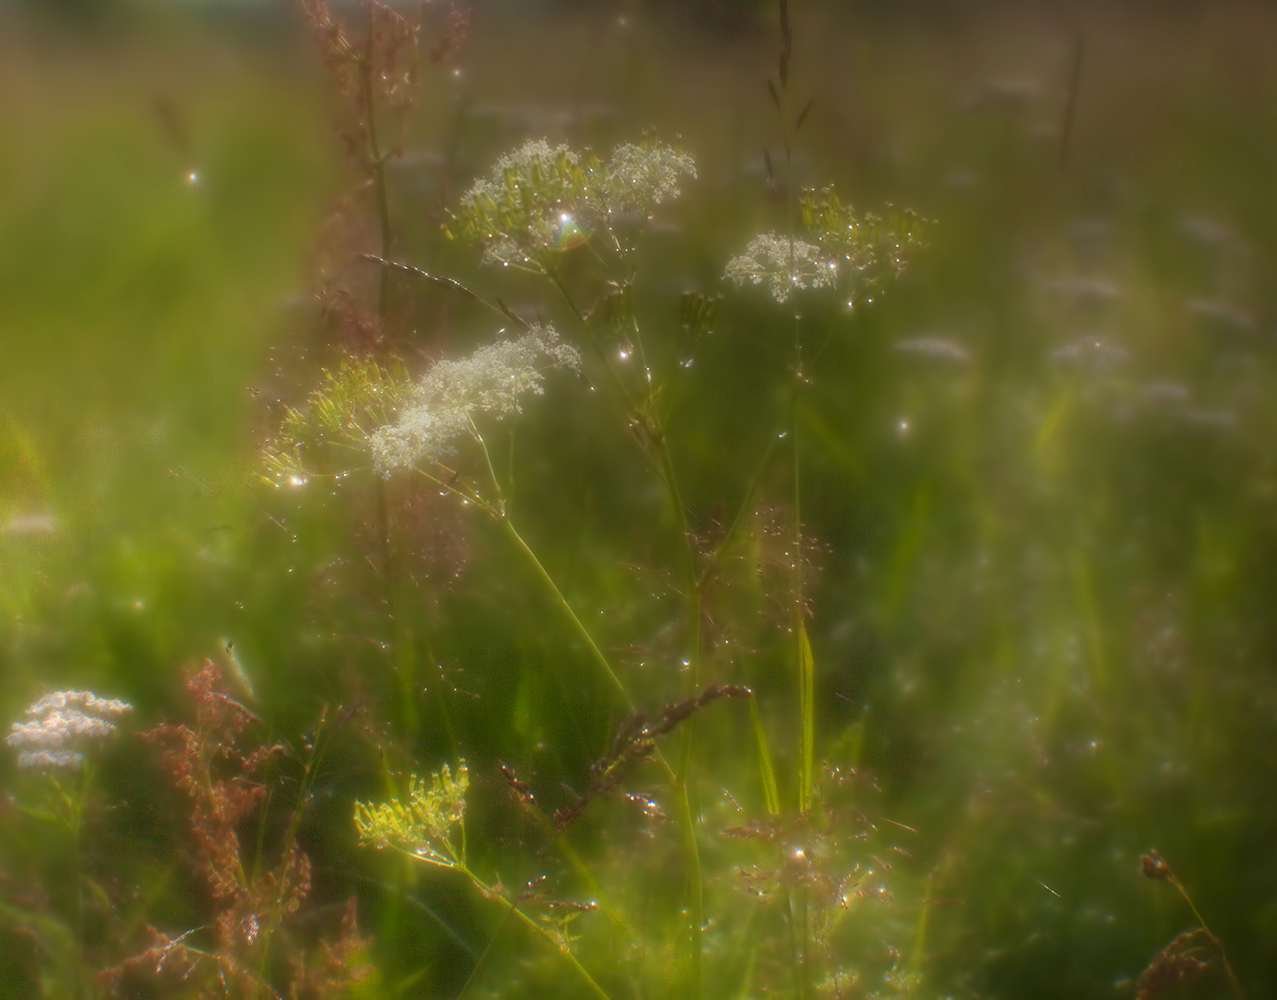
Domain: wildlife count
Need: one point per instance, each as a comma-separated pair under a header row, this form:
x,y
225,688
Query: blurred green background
x,y
1039,469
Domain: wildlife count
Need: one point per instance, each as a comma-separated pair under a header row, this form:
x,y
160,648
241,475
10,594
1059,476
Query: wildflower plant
x,y
60,725
442,405
429,824
541,200
228,780
539,206
850,253
331,433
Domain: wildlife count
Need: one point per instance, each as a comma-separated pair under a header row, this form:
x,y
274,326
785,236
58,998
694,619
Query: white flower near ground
x,y
491,381
786,265
60,722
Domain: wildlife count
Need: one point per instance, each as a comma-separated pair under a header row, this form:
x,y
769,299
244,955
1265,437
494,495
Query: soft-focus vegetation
x,y
554,544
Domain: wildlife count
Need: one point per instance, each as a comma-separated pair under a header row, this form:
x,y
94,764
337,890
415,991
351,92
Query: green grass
x,y
1040,590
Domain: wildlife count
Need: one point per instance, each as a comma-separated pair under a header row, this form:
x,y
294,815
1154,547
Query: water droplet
x,y
192,178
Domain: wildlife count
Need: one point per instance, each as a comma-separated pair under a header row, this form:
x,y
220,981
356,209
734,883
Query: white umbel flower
x,y
786,265
542,199
638,178
58,723
493,380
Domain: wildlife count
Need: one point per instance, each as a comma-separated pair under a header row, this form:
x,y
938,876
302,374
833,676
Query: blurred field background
x,y
1040,468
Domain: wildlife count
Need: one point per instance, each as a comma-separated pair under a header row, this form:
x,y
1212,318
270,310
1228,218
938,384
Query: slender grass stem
x,y
375,157
653,435
581,630
1223,956
557,943
613,377
483,958
696,893
691,852
318,748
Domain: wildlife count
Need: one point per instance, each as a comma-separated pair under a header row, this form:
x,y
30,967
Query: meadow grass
x,y
869,652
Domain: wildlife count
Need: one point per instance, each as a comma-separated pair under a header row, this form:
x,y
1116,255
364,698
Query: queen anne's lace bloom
x,y
541,198
769,258
444,403
638,178
60,721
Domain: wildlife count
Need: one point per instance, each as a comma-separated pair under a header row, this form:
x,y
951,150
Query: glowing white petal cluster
x,y
493,380
542,199
58,723
638,179
786,265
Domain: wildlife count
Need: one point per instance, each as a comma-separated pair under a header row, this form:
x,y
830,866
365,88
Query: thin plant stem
x,y
1223,955
554,280
581,630
802,648
377,160
317,751
483,958
691,852
449,283
528,922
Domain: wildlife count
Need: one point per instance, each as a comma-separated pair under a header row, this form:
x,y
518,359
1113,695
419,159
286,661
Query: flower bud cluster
x,y
58,723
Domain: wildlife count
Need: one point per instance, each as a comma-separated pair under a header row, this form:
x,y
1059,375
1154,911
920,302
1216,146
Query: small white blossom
x,y
444,403
525,201
540,198
785,264
59,721
639,179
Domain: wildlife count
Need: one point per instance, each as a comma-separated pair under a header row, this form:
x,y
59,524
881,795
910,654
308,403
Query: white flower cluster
x,y
543,180
785,264
541,198
443,404
639,179
58,722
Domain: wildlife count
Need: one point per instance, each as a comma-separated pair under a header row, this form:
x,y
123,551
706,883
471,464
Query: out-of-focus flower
x,y
59,723
638,178
340,415
938,349
540,199
444,402
846,251
784,264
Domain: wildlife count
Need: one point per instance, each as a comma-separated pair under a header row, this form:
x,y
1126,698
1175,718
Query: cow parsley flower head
x,y
443,404
59,723
526,203
638,178
847,249
784,264
541,199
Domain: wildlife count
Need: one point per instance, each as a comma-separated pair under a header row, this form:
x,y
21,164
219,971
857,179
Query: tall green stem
x,y
532,925
582,631
696,910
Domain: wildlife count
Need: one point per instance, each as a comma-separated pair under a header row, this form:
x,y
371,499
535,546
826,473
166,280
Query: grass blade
x,y
766,771
807,675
